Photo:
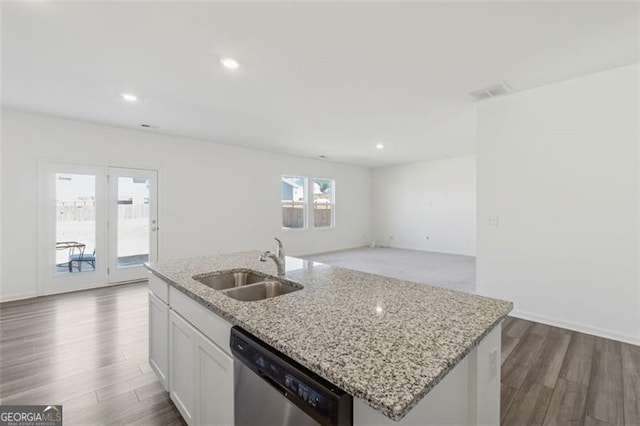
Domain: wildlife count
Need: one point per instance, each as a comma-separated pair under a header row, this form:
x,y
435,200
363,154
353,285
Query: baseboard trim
x,y
382,246
400,247
19,296
330,251
31,295
607,334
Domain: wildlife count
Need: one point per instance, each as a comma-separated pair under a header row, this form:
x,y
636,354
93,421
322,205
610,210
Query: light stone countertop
x,y
383,340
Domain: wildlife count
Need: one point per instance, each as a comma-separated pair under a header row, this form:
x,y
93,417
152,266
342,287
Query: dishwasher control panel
x,y
310,392
306,393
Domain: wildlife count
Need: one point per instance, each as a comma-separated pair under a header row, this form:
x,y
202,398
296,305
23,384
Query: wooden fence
x,y
78,211
293,215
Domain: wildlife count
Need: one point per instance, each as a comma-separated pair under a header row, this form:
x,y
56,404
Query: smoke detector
x,y
490,91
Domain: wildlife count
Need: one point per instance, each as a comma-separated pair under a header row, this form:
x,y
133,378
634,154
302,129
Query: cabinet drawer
x,y
211,325
159,287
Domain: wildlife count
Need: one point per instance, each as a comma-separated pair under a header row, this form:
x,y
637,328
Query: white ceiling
x,y
315,79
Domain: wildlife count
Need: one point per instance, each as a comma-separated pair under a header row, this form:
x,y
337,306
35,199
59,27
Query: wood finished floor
x,y
88,352
554,376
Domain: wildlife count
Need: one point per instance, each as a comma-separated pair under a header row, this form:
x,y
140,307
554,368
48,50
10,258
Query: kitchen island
x,y
406,352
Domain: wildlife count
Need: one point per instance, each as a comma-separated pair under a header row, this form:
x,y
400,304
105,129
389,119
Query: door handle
x,y
154,228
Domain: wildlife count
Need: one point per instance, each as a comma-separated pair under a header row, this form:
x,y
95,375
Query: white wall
x,y
559,167
1,205
212,197
435,199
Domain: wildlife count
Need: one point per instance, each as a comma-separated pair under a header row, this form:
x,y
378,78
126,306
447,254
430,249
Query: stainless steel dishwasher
x,y
273,390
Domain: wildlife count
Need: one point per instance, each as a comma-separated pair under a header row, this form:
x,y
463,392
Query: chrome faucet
x,y
279,250
278,258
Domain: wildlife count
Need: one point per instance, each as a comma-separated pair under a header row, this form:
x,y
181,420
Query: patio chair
x,y
73,248
82,257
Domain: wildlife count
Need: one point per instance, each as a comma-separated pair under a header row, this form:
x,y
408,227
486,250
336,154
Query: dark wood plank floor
x,y
554,376
88,351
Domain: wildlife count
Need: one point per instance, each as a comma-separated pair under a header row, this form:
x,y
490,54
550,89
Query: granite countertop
x,y
383,340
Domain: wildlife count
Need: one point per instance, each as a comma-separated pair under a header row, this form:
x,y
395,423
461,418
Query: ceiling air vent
x,y
490,91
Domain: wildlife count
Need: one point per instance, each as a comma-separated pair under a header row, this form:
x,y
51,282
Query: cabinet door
x,y
214,376
181,365
159,339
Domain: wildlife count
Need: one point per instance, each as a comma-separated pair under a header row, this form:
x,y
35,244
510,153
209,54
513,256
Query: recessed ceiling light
x,y
379,146
129,97
229,63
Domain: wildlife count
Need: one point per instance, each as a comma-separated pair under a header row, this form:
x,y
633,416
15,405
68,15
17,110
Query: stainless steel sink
x,y
230,279
246,285
261,291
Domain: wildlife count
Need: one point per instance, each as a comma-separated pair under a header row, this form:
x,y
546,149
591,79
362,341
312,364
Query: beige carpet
x,y
444,270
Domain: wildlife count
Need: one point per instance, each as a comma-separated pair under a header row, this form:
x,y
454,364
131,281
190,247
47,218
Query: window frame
x,y
332,202
304,203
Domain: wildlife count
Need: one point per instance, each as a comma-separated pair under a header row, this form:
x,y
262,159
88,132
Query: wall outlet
x,y
493,220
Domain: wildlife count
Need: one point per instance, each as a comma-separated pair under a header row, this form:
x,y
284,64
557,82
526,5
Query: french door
x,y
132,223
97,225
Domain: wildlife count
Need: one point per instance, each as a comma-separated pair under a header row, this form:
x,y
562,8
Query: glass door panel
x,y
71,227
75,223
132,222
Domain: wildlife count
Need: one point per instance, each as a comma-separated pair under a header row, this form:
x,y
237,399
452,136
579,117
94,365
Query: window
x,y
295,202
294,207
323,203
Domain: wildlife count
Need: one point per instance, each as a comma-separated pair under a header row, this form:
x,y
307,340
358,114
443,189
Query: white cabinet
x,y
206,322
159,328
201,376
159,338
189,352
214,381
182,345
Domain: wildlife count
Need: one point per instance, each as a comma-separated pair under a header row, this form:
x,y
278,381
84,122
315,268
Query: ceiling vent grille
x,y
490,91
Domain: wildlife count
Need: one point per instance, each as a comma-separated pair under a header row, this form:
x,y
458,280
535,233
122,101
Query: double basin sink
x,y
247,286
